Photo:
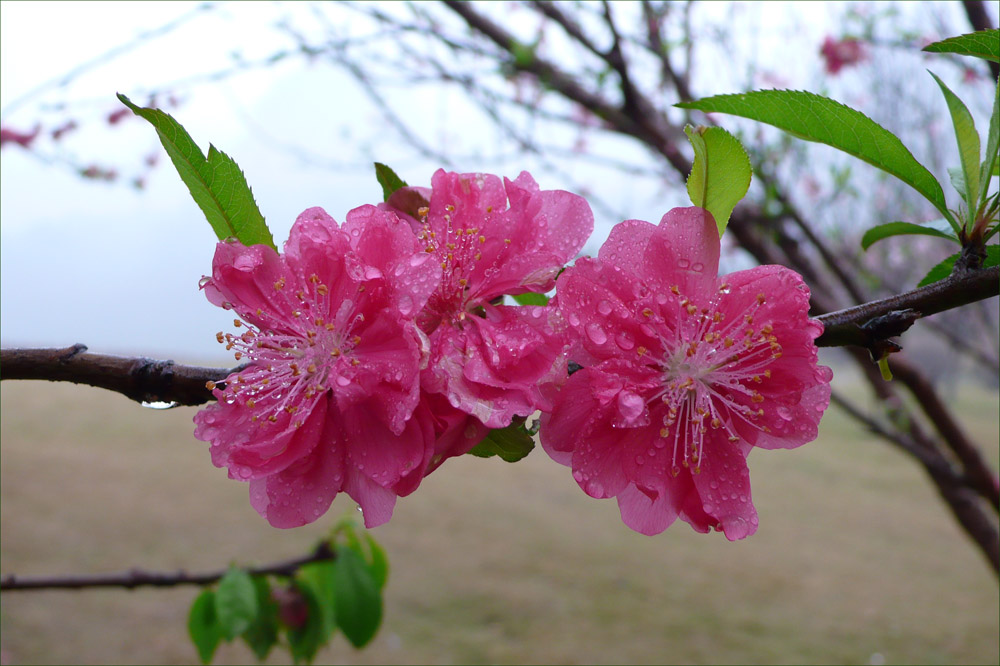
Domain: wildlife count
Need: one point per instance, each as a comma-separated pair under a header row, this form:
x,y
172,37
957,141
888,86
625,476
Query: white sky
x,y
117,269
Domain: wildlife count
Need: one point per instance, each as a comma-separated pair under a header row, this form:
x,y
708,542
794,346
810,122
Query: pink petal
x,y
303,492
375,501
645,515
684,252
724,486
380,454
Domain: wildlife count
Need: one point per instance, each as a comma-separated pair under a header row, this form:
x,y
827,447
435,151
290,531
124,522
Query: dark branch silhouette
x,y
134,578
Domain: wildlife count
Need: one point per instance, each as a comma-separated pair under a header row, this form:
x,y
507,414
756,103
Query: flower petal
x,y
724,486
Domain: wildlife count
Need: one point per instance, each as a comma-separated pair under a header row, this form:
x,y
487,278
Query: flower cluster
x,y
377,349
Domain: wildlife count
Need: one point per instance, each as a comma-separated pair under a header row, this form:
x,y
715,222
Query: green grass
x,y
497,563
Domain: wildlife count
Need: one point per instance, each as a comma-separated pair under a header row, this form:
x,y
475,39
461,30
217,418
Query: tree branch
x,y
141,379
134,578
844,327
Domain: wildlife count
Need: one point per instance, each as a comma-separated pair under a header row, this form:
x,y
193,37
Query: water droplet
x,y
713,485
405,304
785,413
661,298
743,498
573,319
578,475
203,282
707,508
604,308
343,381
639,460
355,232
156,404
625,341
683,263
371,273
651,452
698,267
419,258
596,334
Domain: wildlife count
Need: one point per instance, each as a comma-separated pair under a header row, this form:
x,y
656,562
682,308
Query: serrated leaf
x,y
203,626
983,44
305,641
388,179
235,603
944,269
216,183
531,298
968,143
358,600
816,118
262,634
511,444
876,234
721,172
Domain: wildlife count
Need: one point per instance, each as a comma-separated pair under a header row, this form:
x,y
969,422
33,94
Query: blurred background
x,y
857,559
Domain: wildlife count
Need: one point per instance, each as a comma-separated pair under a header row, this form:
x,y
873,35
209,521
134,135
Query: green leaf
x,y
876,234
358,600
319,578
943,270
720,175
511,443
235,603
378,563
815,118
216,183
203,626
262,634
968,144
305,641
991,160
531,298
983,44
388,179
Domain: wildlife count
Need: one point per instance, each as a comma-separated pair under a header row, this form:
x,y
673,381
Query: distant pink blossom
x,y
838,54
684,373
118,115
23,139
490,238
330,400
63,129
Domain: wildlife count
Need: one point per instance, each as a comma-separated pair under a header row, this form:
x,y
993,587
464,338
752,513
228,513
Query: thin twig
x,y
134,578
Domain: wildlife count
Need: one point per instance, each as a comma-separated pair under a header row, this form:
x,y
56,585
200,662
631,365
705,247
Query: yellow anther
x,y
675,290
251,403
646,312
295,369
311,368
423,210
450,208
716,423
664,432
767,373
640,350
767,329
329,327
756,397
727,343
335,353
430,248
210,386
462,282
279,284
482,239
356,339
691,308
220,337
238,355
272,418
489,209
355,362
479,255
322,290
506,241
761,298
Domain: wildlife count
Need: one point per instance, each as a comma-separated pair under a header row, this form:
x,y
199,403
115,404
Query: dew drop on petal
x,y
573,319
604,308
419,258
343,381
698,267
683,263
596,334
639,460
625,340
405,304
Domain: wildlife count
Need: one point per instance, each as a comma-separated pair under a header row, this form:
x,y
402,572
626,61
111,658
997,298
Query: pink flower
x,y
23,139
493,361
684,373
840,53
329,400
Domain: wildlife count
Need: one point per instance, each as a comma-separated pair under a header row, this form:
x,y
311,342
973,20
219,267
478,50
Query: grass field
x,y
856,560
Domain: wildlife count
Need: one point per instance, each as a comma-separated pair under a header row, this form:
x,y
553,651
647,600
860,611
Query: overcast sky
x,y
117,268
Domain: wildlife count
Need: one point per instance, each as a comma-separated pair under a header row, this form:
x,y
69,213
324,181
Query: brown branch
x,y
141,379
134,578
844,327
